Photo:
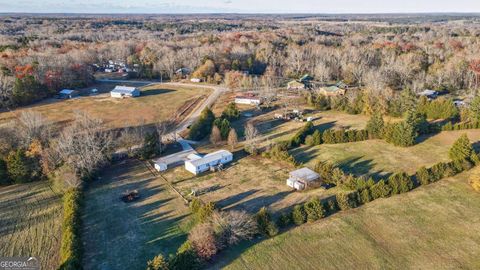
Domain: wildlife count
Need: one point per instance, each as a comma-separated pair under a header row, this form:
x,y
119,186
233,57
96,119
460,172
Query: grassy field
x,y
376,157
432,227
156,102
30,223
249,183
120,235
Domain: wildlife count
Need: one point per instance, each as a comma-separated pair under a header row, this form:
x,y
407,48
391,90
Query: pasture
x,y
157,102
31,222
432,227
119,235
376,157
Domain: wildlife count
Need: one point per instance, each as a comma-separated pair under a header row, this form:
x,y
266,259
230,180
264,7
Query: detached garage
x,y
124,91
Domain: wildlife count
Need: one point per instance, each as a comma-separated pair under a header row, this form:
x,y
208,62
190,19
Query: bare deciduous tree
x,y
32,126
85,145
233,226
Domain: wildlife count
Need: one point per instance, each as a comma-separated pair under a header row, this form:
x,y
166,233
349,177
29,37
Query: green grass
x,y
432,227
377,157
120,235
30,222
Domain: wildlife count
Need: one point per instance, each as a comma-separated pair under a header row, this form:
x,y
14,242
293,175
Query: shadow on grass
x,y
153,92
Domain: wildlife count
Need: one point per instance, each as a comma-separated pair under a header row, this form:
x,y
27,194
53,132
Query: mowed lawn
x,y
30,222
120,235
157,102
376,157
432,227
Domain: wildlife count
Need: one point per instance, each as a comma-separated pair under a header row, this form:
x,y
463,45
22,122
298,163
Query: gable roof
x,y
124,89
304,174
67,92
210,157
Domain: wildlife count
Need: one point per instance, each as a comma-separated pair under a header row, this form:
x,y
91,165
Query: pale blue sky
x,y
245,6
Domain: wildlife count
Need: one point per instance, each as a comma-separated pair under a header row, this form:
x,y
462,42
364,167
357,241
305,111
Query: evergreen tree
x,y
203,126
151,145
4,180
21,168
157,263
314,209
375,125
474,109
298,215
461,149
231,112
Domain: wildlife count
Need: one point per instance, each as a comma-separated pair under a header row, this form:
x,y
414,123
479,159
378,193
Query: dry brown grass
x,y
30,223
157,102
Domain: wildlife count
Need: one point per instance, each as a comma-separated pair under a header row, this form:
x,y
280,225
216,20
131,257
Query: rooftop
x,y
210,157
123,89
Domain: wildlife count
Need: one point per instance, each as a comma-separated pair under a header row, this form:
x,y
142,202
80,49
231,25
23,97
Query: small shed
x,y
248,100
196,80
431,94
303,178
332,91
67,94
124,91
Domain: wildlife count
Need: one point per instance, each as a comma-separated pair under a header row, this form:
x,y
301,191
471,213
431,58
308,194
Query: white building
x,y
248,100
302,179
124,91
197,164
195,80
429,94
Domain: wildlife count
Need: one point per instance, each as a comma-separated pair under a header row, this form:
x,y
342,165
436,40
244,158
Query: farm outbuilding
x,y
124,91
303,178
67,94
213,160
295,85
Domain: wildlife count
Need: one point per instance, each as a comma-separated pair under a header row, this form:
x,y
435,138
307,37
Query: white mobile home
x,y
124,91
198,165
302,179
248,100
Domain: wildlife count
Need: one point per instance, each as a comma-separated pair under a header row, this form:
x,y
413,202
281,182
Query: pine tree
x,y
461,149
375,125
232,138
4,180
20,168
157,263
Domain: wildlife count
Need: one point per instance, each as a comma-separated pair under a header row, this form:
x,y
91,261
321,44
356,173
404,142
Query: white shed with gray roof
x,y
302,178
124,91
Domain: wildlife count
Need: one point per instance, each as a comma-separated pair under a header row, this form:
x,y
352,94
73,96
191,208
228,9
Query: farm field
x,y
120,235
249,183
432,227
31,222
156,102
376,157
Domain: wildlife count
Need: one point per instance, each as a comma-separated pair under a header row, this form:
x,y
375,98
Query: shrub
x,y
277,152
185,259
157,263
348,200
202,238
314,209
331,206
300,136
325,170
284,220
71,245
233,226
400,183
365,196
265,224
423,176
201,212
380,190
298,215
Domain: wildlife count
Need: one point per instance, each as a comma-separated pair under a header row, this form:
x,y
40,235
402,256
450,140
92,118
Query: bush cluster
x,y
265,224
449,126
71,245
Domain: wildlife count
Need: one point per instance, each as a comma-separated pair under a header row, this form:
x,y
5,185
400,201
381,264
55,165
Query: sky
x,y
238,6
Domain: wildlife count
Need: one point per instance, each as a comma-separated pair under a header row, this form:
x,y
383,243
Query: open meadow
x,y
377,157
119,235
31,222
432,227
156,102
